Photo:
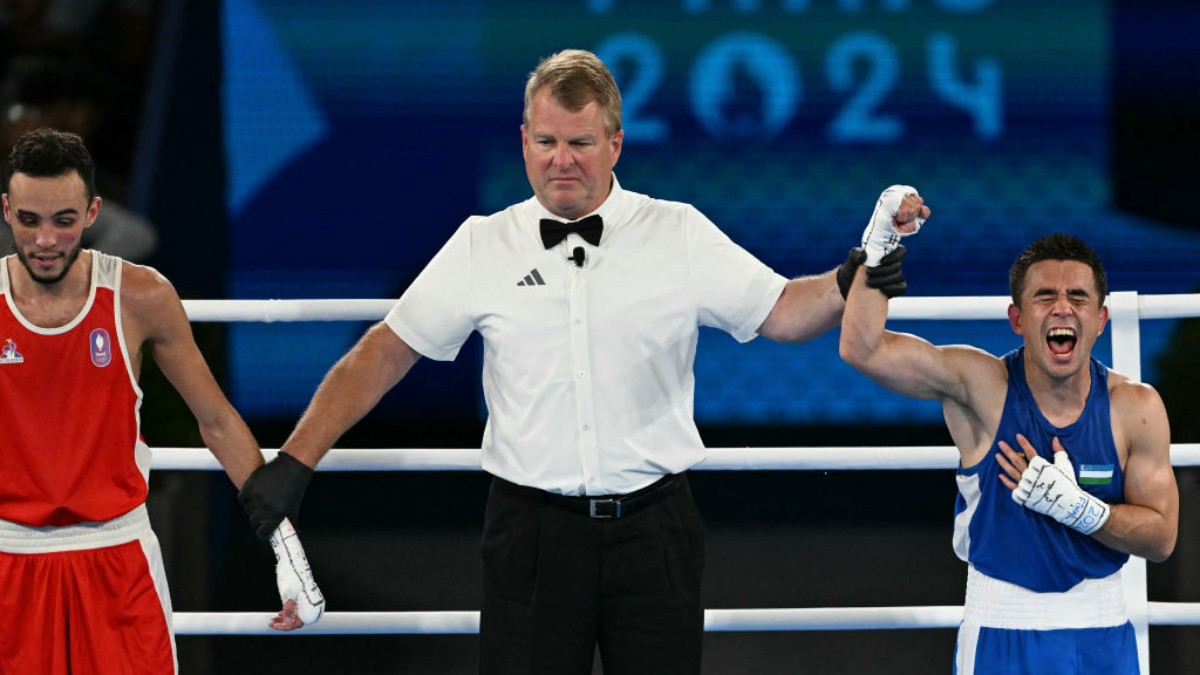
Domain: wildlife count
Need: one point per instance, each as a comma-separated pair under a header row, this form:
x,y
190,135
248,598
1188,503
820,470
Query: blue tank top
x,y
1007,541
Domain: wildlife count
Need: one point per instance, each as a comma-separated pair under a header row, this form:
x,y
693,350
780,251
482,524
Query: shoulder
x,y
1132,399
511,216
1138,415
983,375
498,219
495,226
641,206
1139,422
145,291
973,354
974,361
673,219
665,207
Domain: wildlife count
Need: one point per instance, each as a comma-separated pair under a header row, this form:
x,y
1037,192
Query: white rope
x,y
267,311
457,623
332,623
1169,306
715,620
726,620
829,458
831,618
719,459
948,308
1174,613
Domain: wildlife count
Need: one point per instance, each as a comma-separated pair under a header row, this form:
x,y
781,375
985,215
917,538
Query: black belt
x,y
605,506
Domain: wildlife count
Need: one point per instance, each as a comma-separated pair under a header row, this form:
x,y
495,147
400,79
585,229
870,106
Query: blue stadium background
x,y
358,137
301,149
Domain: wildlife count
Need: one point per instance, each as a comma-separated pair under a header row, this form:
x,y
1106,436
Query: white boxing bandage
x,y
881,236
1051,489
294,576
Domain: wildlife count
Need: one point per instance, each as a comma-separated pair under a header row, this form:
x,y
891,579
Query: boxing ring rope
x,y
715,620
1126,309
947,308
833,458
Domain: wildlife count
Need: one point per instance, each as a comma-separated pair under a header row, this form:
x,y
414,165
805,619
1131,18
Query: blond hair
x,y
575,77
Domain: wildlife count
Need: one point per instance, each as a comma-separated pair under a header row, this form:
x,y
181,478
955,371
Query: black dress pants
x,y
557,583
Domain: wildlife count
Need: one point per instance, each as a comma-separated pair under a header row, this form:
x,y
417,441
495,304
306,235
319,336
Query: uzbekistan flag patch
x,y
1095,474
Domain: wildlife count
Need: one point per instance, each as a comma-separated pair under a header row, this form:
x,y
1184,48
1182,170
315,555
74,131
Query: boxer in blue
x,y
1065,465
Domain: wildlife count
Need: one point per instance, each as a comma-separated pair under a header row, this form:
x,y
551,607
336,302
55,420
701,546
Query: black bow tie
x,y
554,231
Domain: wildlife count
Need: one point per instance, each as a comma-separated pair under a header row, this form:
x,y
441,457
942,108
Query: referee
x,y
589,299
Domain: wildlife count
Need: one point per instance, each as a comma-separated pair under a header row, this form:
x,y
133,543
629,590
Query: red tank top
x,y
70,444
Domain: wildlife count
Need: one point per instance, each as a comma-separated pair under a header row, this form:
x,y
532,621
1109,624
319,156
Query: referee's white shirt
x,y
587,371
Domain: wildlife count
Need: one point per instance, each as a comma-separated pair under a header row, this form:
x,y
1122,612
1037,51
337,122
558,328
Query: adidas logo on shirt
x,y
532,279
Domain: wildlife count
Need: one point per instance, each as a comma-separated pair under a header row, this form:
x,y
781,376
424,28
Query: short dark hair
x,y
49,153
1056,247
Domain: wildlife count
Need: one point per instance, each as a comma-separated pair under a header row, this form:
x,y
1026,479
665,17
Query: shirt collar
x,y
612,209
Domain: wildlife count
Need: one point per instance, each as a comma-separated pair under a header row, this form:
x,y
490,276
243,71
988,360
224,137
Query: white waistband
x,y
18,538
1092,603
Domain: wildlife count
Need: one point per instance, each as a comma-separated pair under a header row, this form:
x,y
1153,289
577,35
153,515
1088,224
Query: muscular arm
x,y
807,308
1148,522
349,391
970,383
903,363
155,320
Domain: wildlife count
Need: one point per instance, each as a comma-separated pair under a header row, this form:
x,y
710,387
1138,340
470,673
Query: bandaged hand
x,y
1050,489
882,235
295,580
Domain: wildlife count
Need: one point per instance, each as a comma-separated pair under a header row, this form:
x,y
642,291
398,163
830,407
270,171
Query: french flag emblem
x,y
101,348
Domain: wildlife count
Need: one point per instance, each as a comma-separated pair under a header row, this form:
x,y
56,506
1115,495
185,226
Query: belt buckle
x,y
593,503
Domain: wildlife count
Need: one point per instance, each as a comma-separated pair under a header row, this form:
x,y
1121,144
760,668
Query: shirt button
x,y
582,373
587,427
578,320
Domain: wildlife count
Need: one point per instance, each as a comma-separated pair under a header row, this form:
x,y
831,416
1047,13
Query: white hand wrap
x,y
881,236
293,575
1051,489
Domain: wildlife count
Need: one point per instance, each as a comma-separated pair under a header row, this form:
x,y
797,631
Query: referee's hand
x,y
273,492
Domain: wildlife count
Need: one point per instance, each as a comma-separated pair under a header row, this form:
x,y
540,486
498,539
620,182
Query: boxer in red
x,y
85,591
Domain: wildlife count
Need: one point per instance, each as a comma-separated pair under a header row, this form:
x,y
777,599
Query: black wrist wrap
x,y
887,275
273,492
